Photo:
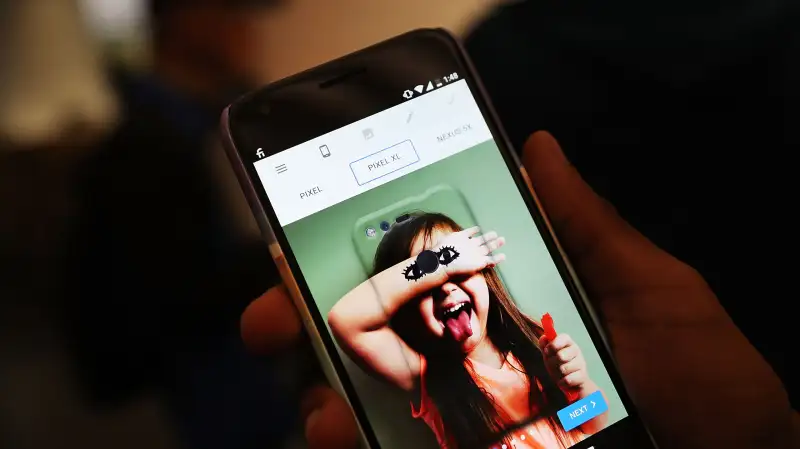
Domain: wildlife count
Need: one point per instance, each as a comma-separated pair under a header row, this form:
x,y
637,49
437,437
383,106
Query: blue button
x,y
582,411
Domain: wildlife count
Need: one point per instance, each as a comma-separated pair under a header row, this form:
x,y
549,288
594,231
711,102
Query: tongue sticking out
x,y
459,327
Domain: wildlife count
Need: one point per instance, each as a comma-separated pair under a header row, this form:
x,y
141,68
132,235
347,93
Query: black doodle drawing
x,y
428,262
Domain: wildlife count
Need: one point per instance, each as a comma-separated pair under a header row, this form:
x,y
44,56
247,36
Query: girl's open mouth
x,y
456,320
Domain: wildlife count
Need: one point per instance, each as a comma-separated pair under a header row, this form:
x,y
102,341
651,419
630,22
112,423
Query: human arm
x,y
360,323
360,319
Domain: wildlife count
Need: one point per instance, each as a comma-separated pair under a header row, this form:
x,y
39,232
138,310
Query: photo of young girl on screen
x,y
435,320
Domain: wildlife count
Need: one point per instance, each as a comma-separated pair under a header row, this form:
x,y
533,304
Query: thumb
x,y
607,252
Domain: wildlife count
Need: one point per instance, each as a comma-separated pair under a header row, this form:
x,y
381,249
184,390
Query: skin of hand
x,y
565,362
475,251
697,381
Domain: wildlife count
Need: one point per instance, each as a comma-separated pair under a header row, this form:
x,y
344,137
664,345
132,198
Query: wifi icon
x,y
419,88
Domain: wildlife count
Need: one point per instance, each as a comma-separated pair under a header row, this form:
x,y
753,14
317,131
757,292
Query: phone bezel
x,y
628,431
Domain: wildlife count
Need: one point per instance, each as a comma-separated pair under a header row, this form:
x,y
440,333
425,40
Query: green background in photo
x,y
326,252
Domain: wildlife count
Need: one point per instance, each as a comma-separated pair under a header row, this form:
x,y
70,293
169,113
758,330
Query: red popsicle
x,y
549,327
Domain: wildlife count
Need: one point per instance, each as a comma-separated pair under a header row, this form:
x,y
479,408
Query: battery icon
x,y
324,151
438,82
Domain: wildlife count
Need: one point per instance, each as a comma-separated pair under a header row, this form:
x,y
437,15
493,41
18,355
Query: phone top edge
x,y
439,32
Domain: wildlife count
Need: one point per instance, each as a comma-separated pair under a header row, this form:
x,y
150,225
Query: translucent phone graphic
x,y
443,198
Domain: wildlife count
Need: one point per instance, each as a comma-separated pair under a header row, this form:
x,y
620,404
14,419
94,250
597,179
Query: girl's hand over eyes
x,y
467,252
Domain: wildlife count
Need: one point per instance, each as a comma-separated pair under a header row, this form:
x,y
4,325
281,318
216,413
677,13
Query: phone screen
x,y
502,356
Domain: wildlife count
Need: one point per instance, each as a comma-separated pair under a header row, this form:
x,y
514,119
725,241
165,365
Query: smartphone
x,y
369,230
327,148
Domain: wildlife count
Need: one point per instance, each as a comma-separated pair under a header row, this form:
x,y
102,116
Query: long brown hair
x,y
470,417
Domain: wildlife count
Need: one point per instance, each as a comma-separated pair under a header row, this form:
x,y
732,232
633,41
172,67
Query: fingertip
x,y
329,422
486,238
587,226
270,323
472,231
540,147
315,398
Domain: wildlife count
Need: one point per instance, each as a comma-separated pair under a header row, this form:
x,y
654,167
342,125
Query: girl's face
x,y
457,309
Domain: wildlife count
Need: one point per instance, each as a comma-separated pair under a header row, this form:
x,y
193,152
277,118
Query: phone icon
x,y
324,150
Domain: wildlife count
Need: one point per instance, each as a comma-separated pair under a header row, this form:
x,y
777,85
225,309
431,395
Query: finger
x,y
572,379
495,244
484,238
270,323
568,368
560,342
329,422
495,259
469,232
605,250
567,354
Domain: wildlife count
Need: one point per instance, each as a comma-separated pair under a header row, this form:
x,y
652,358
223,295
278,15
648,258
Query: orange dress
x,y
509,389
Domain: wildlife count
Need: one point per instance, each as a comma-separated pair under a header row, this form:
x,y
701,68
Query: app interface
x,y
446,307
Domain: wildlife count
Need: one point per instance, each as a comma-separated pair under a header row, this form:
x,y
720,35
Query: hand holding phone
x,y
272,324
406,138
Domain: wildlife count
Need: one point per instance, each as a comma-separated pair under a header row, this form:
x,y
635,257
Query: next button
x,y
383,162
582,411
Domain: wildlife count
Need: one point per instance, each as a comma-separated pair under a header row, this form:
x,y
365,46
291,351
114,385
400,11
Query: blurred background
x,y
127,251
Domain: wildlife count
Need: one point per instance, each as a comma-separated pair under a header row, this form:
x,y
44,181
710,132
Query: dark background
x,y
127,251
